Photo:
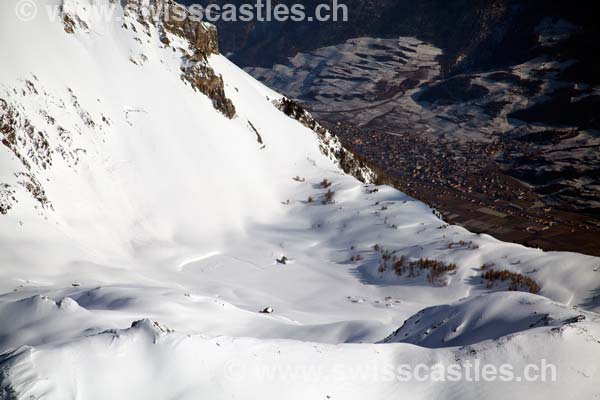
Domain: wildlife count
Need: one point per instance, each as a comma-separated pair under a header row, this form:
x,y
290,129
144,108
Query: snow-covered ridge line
x,y
330,144
478,318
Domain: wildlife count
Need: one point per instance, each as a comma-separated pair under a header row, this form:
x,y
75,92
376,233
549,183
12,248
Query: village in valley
x,y
460,180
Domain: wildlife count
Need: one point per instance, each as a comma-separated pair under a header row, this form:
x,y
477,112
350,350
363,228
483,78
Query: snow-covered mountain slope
x,y
155,199
478,318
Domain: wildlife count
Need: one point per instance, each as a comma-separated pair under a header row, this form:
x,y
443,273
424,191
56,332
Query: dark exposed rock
x,y
7,198
33,186
258,136
170,17
20,136
72,22
202,78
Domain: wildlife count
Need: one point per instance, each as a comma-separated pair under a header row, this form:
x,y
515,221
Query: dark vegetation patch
x,y
562,110
529,86
494,108
328,197
516,281
550,136
451,91
436,270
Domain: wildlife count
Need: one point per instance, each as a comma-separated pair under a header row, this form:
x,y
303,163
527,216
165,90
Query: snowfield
x,y
144,231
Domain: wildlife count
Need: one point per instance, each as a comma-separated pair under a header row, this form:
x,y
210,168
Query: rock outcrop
x,y
171,18
166,18
330,144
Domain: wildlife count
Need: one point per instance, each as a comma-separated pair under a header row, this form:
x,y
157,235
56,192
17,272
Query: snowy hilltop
x,y
170,228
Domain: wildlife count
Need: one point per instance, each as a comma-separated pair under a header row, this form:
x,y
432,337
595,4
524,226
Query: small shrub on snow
x,y
328,199
283,260
356,258
325,183
437,269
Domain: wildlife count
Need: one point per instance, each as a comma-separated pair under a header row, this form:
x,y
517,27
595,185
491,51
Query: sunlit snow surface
x,y
171,215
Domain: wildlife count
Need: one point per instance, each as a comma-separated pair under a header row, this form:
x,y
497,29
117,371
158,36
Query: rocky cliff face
x,y
170,18
30,146
31,139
